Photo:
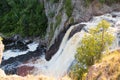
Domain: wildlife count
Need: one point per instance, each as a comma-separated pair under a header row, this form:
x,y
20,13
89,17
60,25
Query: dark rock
x,y
16,42
11,68
76,29
24,70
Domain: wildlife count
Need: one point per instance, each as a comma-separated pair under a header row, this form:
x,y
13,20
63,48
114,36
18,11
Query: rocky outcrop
x,y
16,42
107,69
24,70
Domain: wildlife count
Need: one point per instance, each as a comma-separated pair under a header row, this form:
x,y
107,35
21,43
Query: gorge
x,y
54,55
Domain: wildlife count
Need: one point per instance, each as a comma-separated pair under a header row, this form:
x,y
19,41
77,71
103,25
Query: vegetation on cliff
x,y
24,17
91,47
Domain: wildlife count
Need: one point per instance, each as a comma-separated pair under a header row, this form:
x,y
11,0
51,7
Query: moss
x,y
68,7
71,20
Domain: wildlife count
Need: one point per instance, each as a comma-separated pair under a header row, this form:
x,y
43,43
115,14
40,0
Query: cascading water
x,y
61,61
67,48
61,65
63,43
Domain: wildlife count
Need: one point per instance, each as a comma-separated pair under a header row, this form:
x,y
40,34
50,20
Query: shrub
x,y
91,47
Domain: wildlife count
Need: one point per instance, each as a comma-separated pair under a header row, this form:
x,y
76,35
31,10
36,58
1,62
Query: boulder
x,y
24,70
16,42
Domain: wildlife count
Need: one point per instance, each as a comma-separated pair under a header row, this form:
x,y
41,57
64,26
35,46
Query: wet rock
x,y
54,48
11,68
76,29
16,42
24,70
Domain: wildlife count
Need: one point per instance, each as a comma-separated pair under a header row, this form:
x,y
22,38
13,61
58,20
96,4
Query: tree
x,y
91,47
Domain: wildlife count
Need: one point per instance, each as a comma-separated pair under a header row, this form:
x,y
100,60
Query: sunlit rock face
x,y
1,50
1,53
107,69
2,73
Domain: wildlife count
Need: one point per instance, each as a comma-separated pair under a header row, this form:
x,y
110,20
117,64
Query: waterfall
x,y
59,63
63,62
62,45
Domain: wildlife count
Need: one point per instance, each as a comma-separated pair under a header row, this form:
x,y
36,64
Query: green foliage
x,y
24,17
91,47
71,20
68,7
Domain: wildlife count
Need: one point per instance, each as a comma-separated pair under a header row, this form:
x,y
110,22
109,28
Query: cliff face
x,y
61,13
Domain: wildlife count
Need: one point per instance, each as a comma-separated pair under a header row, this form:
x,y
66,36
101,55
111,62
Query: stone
x,y
24,70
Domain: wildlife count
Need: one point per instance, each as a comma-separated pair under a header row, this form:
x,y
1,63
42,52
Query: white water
x,y
62,60
62,45
10,53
